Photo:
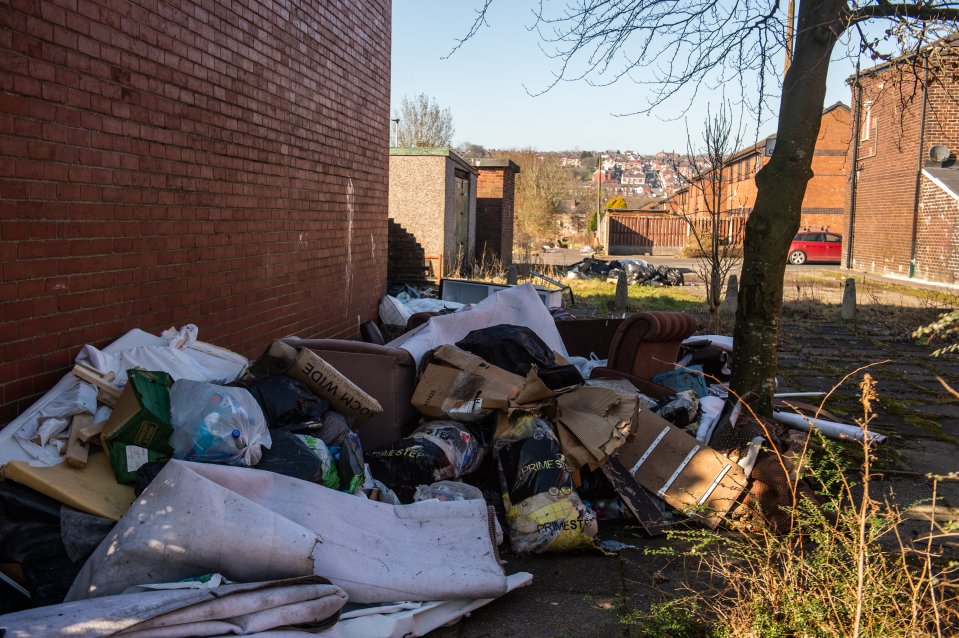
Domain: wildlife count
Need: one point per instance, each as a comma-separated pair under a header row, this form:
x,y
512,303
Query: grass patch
x,y
597,296
679,618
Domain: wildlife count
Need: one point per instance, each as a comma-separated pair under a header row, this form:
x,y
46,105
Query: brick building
x,y
220,163
824,205
495,188
903,217
432,202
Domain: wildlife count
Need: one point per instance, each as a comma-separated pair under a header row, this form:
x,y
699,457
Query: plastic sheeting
x,y
720,341
240,609
518,306
253,525
176,352
405,620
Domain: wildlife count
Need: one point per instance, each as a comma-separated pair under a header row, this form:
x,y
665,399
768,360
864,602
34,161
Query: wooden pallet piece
x,y
76,450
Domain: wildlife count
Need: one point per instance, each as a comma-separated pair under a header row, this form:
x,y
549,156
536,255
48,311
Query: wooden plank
x,y
91,431
688,475
93,489
76,450
107,393
107,397
637,499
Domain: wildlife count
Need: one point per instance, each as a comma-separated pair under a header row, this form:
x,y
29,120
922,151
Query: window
x,y
833,238
866,121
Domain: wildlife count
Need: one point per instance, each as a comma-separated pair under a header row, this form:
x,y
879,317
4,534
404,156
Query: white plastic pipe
x,y
830,428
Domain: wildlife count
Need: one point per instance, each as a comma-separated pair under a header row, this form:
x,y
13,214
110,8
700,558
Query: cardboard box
x,y
690,476
459,385
319,376
592,422
127,459
142,413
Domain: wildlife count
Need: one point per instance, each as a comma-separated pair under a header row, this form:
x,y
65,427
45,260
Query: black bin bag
x,y
516,349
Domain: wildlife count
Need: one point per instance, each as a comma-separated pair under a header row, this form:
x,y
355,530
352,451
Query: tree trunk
x,y
781,185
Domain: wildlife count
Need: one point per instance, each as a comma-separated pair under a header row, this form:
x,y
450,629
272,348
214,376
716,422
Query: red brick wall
x,y
937,236
887,166
220,163
827,194
407,259
494,212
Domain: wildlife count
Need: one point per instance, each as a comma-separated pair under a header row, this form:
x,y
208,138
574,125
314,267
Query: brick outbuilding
x,y
432,203
220,163
495,188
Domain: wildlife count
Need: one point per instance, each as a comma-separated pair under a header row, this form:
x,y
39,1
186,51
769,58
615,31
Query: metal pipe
x,y
922,132
851,226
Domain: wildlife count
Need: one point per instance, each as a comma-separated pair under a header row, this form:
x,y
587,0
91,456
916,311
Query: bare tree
x,y
422,123
681,46
714,231
541,187
468,149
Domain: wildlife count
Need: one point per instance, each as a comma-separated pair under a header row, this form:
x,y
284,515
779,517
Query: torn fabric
x,y
175,352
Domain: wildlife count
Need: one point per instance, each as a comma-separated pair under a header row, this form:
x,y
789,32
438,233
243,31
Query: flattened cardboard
x,y
688,475
462,386
600,418
323,379
92,489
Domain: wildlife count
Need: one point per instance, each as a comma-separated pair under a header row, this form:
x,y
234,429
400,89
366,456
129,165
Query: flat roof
x,y
433,151
494,162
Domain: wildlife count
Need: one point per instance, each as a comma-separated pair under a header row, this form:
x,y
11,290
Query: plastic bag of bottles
x,y
216,424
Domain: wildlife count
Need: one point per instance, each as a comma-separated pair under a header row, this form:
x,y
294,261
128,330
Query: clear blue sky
x,y
487,85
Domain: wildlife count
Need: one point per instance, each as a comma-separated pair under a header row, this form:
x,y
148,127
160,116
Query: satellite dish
x,y
939,153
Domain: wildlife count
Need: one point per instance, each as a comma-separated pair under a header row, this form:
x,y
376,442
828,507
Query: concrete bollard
x,y
512,275
732,293
849,300
622,292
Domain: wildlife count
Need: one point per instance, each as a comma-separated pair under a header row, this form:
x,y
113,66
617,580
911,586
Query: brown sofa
x,y
387,374
638,347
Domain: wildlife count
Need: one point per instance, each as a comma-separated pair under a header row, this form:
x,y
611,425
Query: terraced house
x,y
904,209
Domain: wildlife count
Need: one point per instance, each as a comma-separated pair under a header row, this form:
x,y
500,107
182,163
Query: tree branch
x,y
479,21
948,12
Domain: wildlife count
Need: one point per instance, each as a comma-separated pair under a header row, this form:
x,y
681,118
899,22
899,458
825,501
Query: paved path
x,y
586,595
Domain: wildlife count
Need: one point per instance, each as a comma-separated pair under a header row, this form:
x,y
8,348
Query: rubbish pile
x,y
167,487
638,271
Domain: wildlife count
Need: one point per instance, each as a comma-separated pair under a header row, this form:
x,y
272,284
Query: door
x,y
461,227
812,245
833,245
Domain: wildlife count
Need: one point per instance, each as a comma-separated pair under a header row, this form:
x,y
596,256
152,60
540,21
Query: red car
x,y
815,246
